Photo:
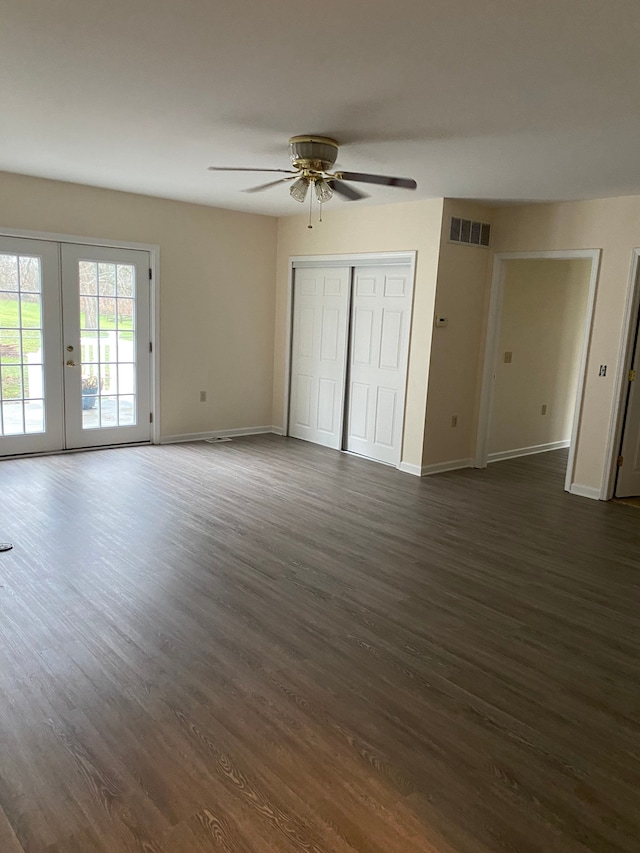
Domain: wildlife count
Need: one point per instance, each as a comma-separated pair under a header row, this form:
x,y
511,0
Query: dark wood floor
x,y
265,647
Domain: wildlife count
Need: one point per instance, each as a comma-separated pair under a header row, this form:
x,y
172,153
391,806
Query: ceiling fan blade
x,y
261,187
385,180
350,193
241,169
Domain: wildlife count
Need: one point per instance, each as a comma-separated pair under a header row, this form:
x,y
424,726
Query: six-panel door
x,y
380,323
318,355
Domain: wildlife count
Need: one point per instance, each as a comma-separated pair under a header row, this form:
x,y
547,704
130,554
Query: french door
x,y
74,346
105,322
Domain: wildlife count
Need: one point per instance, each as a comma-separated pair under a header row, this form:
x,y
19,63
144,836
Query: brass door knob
x,y
71,363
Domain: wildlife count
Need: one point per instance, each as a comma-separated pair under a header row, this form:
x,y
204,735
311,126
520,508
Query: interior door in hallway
x,y
379,349
318,354
106,331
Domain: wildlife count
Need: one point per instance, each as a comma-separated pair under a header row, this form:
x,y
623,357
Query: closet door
x,y
319,354
380,326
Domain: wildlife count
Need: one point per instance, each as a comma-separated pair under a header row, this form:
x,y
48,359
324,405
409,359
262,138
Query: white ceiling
x,y
498,99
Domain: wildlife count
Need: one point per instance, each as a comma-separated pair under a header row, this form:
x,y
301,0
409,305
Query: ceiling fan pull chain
x,y
310,206
320,217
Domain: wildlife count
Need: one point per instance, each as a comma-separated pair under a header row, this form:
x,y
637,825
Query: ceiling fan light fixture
x,y
299,189
314,152
323,190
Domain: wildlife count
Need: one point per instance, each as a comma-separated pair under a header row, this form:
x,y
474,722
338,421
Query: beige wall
x,y
542,324
352,229
612,225
461,296
218,299
217,292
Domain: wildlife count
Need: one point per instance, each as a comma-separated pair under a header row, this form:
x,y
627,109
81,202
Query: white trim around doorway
x,y
350,260
154,284
625,354
493,340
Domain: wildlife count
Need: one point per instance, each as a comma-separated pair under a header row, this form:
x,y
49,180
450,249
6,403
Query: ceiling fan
x,y
312,158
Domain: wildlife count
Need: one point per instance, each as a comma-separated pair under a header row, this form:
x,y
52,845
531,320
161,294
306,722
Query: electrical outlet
x,y
203,396
454,420
507,357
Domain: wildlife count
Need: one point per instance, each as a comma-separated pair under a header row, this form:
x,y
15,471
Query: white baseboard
x,y
277,430
527,451
585,491
442,467
407,468
220,433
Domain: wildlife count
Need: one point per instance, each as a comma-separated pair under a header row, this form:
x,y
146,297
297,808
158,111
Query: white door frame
x,y
629,323
350,260
493,341
154,260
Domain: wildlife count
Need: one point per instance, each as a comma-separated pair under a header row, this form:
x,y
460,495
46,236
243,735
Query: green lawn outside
x,y
9,314
10,336
9,317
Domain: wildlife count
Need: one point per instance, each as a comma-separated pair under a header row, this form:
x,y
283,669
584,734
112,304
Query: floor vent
x,y
217,439
469,232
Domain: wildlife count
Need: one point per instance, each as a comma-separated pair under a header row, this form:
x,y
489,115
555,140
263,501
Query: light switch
x,y
441,321
507,357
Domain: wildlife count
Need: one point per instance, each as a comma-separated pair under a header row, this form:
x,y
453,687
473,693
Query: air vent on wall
x,y
468,232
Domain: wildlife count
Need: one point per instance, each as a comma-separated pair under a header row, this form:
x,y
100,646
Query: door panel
x,y
378,367
318,357
628,480
31,418
106,341
385,433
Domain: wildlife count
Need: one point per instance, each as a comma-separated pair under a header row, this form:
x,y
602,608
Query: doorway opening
x,y
535,356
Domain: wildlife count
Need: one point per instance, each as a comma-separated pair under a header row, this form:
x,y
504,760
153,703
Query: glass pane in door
x,y
21,350
107,329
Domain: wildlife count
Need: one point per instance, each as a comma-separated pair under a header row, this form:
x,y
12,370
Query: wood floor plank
x,y
8,840
269,646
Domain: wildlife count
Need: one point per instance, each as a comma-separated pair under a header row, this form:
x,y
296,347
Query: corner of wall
x,y
462,291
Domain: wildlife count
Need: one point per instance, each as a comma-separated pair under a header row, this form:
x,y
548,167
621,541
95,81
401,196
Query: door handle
x,y
71,363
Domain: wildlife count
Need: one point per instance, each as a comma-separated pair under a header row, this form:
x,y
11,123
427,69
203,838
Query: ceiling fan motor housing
x,y
313,152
